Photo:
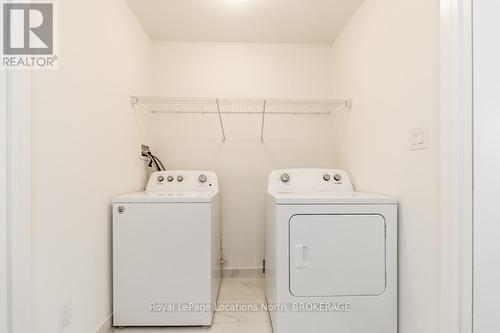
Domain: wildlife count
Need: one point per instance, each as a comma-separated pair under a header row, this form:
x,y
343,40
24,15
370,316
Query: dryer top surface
x,y
331,198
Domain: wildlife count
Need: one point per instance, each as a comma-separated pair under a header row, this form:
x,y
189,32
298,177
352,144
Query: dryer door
x,y
337,255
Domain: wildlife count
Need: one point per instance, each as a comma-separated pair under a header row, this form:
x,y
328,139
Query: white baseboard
x,y
106,325
234,273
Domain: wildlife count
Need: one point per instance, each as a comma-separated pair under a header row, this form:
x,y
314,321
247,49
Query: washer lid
x,y
166,197
328,198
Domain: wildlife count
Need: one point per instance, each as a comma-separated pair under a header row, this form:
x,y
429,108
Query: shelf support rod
x,y
263,121
220,120
348,104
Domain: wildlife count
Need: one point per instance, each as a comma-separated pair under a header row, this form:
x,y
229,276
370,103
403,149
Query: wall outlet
x,y
65,317
144,152
418,139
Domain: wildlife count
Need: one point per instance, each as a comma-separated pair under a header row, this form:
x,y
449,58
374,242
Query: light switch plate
x,y
418,139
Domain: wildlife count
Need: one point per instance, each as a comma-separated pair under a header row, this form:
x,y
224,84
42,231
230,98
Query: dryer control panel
x,y
309,180
182,181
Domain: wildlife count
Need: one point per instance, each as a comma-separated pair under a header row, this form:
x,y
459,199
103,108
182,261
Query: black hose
x,y
153,160
159,162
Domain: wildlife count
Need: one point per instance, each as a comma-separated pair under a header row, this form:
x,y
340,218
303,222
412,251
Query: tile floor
x,y
243,292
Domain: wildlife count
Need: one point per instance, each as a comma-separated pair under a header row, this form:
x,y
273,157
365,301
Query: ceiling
x,y
260,21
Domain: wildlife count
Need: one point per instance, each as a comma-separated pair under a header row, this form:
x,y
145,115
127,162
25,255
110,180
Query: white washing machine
x,y
331,255
166,251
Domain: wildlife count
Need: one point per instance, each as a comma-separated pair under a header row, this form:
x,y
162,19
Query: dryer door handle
x,y
299,256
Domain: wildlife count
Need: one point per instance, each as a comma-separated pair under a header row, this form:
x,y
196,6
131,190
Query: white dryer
x,y
166,251
331,255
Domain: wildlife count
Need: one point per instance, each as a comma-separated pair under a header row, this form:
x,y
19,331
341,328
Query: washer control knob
x,y
202,178
326,177
285,178
160,179
337,177
170,178
180,178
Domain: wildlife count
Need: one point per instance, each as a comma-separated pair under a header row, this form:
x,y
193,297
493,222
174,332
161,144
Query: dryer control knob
x,y
327,177
285,178
180,178
337,177
170,178
202,178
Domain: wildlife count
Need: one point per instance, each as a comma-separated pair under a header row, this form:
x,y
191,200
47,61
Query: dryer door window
x,y
337,255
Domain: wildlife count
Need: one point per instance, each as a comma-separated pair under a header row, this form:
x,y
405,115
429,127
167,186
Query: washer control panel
x,y
307,180
182,181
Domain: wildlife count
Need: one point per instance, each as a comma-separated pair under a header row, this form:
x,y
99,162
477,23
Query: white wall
x,y
486,164
387,61
242,162
85,150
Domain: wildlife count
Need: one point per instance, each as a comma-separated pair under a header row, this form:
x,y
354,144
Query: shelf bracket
x,y
220,120
263,121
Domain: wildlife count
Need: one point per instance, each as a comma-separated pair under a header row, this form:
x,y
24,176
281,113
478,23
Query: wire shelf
x,y
260,106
